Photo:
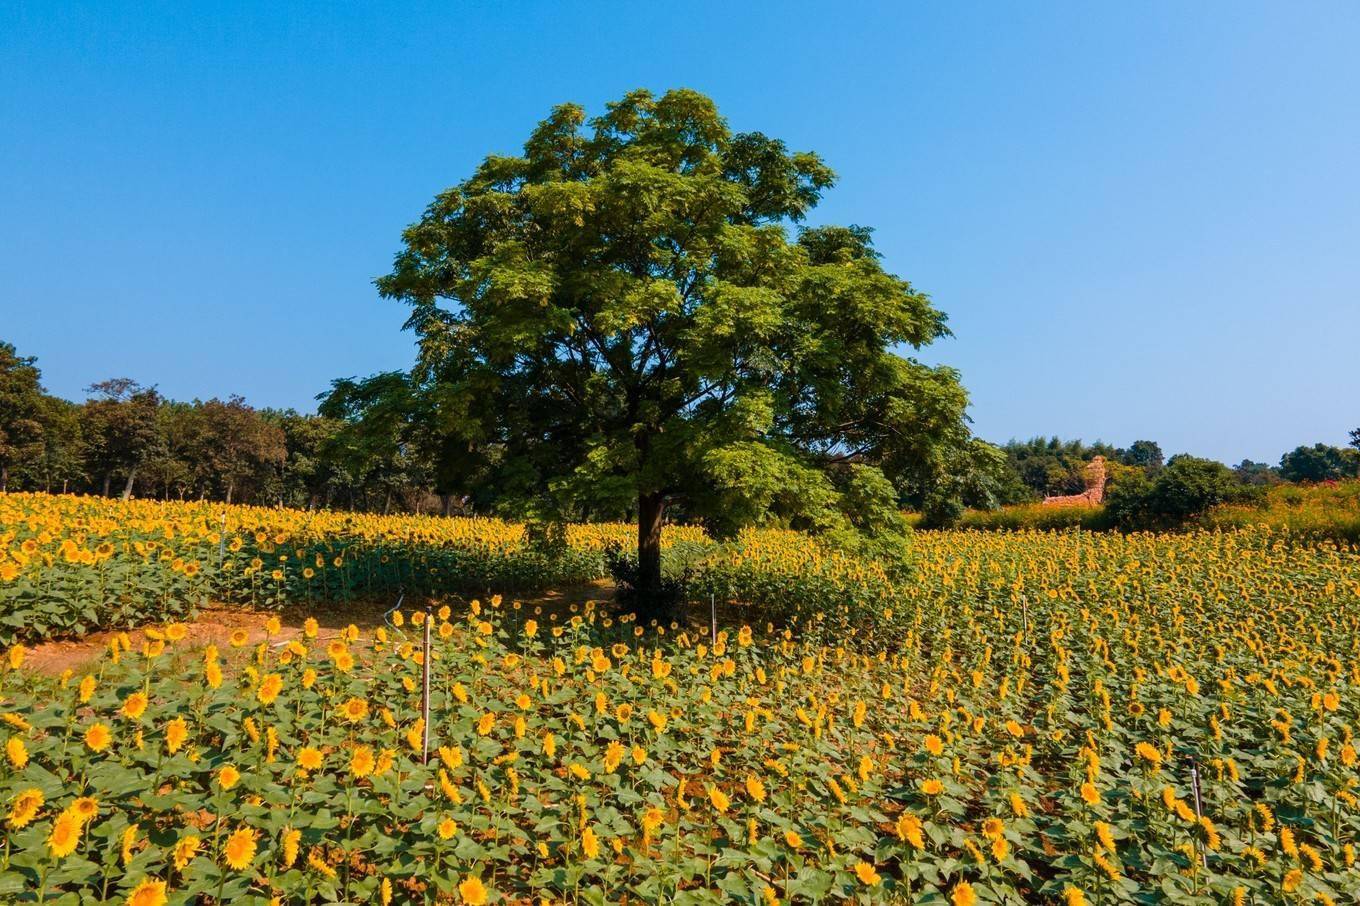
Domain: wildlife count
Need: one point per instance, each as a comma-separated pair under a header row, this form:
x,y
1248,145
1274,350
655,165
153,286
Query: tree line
x,y
1044,466
369,447
128,439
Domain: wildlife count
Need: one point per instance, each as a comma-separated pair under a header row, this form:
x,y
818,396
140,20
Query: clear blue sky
x,y
1142,218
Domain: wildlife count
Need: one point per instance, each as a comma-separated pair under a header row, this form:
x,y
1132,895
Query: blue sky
x,y
1142,218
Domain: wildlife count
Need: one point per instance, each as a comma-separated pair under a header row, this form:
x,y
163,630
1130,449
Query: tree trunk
x,y
650,601
108,482
231,486
127,489
4,479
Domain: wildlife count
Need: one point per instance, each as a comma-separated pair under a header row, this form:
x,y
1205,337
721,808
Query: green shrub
x,y
1186,488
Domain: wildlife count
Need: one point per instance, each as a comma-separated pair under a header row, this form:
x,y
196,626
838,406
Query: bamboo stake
x,y
425,690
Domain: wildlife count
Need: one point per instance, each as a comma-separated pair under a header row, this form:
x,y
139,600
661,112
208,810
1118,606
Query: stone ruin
x,y
1094,478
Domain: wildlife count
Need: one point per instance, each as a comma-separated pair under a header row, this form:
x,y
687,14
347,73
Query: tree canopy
x,y
21,403
631,315
1320,462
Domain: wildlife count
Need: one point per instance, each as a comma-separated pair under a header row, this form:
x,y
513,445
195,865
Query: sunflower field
x,y
1056,718
71,565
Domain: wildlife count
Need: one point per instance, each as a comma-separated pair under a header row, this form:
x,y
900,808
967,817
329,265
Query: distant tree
x,y
976,475
1186,487
172,467
1050,466
1256,474
1145,454
307,478
374,444
240,451
120,425
624,317
59,463
21,407
1355,438
1320,462
1008,486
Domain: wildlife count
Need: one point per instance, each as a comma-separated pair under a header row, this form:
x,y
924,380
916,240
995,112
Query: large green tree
x,y
627,316
21,404
120,425
1320,462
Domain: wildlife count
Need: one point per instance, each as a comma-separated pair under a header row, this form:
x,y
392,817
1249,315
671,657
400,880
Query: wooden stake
x,y
425,691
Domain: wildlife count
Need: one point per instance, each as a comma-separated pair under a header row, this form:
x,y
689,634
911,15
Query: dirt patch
x,y
216,624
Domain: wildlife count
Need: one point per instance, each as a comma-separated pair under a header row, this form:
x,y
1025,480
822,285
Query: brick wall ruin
x,y
1094,477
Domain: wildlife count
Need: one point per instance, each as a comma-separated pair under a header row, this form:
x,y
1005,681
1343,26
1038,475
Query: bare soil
x,y
216,623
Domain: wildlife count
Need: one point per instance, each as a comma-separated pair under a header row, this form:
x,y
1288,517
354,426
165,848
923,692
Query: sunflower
x,y
354,710
85,809
176,732
590,843
1148,753
291,838
361,763
319,865
308,758
129,843
186,848
754,788
909,829
24,807
134,706
65,835
270,687
228,776
239,850
866,874
473,891
148,892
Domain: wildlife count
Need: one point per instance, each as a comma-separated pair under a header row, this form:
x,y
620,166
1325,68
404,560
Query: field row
x,y
70,565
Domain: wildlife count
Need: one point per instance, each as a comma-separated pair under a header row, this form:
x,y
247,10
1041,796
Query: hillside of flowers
x,y
1044,718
